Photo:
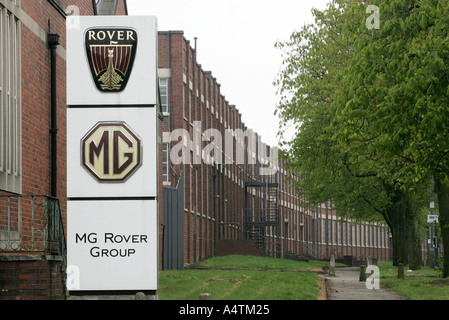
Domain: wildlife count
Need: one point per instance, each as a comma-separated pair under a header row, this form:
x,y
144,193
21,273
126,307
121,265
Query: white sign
x,y
112,147
110,244
432,218
111,152
111,60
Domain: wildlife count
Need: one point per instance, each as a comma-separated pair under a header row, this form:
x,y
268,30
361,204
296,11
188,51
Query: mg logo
x,y
111,152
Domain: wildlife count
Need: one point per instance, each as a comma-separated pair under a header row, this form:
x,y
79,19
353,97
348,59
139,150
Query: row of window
x,y
353,234
335,232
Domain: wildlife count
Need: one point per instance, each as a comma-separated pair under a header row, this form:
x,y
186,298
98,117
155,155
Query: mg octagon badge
x,y
111,151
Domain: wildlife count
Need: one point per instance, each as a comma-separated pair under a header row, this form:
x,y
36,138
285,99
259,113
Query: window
x,y
369,234
190,105
163,87
382,237
184,101
296,225
102,7
323,231
354,239
197,187
359,237
10,104
374,232
165,162
349,242
334,223
341,233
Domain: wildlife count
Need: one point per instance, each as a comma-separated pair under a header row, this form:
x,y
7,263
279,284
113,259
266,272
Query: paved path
x,y
346,286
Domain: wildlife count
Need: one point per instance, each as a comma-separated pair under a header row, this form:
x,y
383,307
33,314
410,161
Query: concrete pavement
x,y
345,285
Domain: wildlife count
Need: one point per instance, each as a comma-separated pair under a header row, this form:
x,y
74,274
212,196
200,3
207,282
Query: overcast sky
x,y
236,43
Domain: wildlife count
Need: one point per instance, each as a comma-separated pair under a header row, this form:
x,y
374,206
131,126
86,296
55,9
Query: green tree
x,y
334,151
398,76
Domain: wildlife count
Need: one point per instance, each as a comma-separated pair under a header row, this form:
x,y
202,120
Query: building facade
x,y
237,197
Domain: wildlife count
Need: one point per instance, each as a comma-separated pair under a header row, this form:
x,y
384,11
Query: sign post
x,y
112,209
431,218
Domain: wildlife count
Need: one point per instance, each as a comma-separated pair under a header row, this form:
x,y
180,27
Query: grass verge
x,y
237,277
423,284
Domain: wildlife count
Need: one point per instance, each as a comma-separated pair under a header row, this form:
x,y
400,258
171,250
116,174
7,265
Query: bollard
x,y
332,266
205,296
362,276
140,296
401,271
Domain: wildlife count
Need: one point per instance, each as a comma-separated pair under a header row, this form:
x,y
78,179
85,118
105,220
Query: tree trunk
x,y
399,237
395,215
414,257
442,189
402,218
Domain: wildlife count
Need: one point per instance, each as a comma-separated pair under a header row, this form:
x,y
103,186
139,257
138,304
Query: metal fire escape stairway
x,y
262,211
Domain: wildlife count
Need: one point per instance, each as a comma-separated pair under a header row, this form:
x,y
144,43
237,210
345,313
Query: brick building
x,y
226,204
33,143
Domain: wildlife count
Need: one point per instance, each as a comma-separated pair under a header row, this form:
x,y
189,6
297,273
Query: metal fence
x,y
31,224
173,226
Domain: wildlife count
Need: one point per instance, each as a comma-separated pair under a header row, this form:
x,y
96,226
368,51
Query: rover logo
x,y
111,152
111,53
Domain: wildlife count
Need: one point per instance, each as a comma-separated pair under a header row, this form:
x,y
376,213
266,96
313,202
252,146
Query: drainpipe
x,y
222,199
214,178
53,42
